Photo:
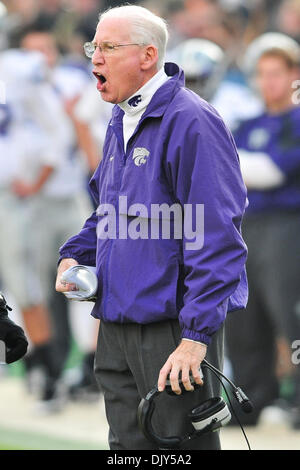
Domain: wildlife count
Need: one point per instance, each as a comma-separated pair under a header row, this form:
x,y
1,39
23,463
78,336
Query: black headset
x,y
209,416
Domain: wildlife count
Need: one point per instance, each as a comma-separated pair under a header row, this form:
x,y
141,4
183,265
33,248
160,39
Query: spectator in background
x,y
49,11
269,149
63,203
22,12
288,18
30,143
198,19
214,72
72,22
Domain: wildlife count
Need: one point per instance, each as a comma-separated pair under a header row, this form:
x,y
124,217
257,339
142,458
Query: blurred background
x,y
52,128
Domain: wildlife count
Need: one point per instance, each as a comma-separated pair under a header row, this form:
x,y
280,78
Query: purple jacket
x,y
277,135
182,153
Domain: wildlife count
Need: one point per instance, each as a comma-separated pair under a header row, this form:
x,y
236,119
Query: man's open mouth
x,y
101,78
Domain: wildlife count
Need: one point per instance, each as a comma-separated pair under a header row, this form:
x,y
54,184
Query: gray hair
x,y
147,28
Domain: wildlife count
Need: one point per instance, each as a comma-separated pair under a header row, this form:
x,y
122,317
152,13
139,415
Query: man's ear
x,y
149,58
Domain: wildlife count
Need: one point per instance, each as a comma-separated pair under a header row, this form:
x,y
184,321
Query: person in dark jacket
x,y
165,238
269,151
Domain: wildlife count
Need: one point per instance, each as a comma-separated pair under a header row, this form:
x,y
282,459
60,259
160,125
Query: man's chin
x,y
108,98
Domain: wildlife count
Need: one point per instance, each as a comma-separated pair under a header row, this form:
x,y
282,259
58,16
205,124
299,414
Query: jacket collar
x,y
161,97
138,102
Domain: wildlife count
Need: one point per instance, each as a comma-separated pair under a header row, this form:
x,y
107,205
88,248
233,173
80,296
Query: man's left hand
x,y
186,358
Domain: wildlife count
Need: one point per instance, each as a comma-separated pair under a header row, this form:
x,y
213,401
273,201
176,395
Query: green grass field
x,y
18,440
14,439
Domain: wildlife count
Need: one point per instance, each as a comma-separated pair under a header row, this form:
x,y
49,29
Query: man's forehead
x,y
113,29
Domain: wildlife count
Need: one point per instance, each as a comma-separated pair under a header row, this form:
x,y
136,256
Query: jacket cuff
x,y
65,255
195,336
79,259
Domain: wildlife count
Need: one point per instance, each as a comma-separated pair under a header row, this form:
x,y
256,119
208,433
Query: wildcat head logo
x,y
140,155
135,100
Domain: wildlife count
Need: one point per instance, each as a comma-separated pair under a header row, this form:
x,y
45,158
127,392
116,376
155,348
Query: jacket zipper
x,y
124,159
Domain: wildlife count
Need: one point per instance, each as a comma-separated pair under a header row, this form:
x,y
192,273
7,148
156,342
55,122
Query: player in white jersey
x,y
210,73
30,144
63,203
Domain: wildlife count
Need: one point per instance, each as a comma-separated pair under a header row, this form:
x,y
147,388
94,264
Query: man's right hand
x,y
65,264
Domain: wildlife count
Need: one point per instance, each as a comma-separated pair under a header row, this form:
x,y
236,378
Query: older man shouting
x,y
163,293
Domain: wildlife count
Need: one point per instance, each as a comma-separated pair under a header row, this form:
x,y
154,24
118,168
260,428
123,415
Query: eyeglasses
x,y
106,48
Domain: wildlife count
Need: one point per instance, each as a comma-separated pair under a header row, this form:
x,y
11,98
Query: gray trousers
x,y
127,364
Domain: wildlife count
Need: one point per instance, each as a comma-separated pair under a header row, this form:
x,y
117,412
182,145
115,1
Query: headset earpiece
x,y
210,415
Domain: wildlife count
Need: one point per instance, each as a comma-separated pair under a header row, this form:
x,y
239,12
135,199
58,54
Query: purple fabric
x,y
192,160
279,137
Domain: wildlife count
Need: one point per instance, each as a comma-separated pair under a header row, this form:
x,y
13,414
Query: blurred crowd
x,y
52,128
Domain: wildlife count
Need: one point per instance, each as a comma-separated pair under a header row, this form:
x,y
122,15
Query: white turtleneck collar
x,y
135,106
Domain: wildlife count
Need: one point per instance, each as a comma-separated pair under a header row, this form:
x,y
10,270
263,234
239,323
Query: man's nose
x,y
98,57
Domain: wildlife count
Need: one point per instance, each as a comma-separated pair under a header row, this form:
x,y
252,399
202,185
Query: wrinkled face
x,y
274,79
119,73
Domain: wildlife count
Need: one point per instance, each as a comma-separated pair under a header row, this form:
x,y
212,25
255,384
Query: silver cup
x,y
85,280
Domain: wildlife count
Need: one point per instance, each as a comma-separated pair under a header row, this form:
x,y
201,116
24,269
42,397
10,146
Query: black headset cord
x,y
217,373
238,393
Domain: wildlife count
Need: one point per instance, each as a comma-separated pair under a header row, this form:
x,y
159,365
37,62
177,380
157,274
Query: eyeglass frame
x,y
114,46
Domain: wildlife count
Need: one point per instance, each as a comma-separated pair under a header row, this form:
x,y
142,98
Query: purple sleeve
x,y
287,159
203,168
284,145
82,247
